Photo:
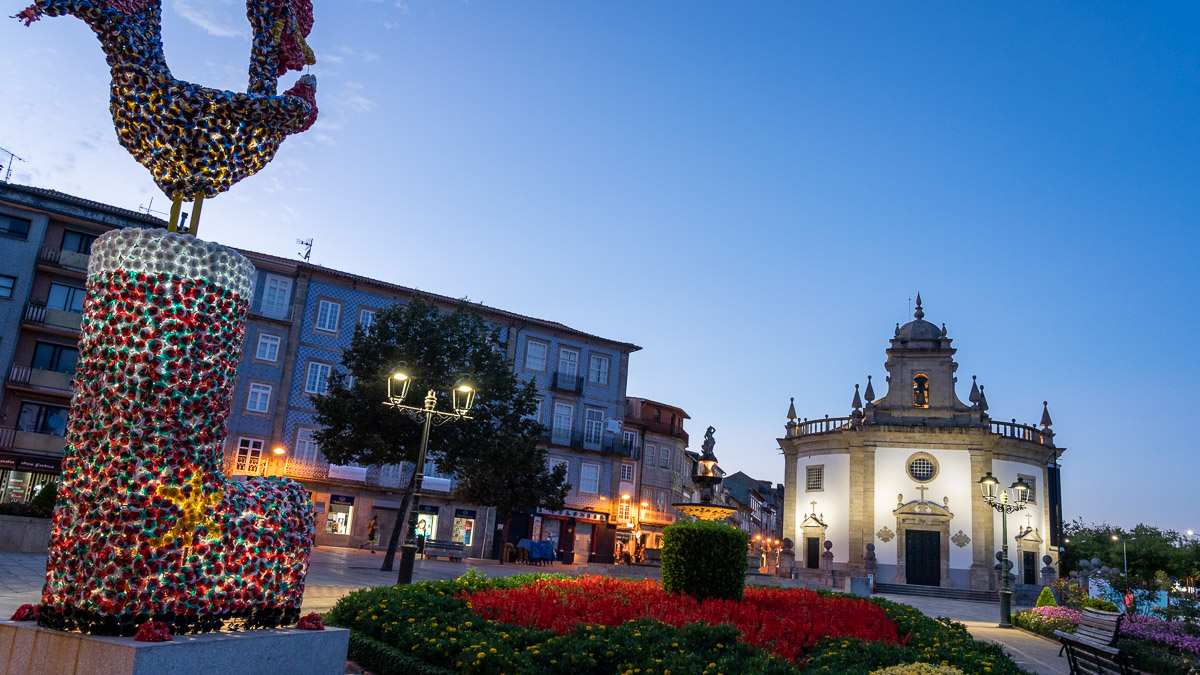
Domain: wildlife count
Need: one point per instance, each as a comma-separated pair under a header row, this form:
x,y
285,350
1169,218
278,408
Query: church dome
x,y
918,329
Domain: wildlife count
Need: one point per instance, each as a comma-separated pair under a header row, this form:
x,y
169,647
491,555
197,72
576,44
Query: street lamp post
x,y
1124,550
1005,501
462,397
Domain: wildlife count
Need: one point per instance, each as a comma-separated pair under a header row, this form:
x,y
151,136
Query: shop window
x,y
341,514
427,522
464,527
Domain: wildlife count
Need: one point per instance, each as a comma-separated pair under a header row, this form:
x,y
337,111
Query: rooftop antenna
x,y
149,209
307,248
8,167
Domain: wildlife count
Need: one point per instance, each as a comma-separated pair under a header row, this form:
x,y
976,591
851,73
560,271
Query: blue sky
x,y
753,192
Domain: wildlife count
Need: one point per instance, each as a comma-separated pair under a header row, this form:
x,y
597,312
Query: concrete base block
x,y
860,586
25,648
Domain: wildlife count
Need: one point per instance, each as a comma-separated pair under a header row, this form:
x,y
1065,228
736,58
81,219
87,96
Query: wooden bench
x,y
450,550
1090,648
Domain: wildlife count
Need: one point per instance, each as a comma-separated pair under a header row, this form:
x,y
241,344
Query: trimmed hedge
x,y
704,559
381,658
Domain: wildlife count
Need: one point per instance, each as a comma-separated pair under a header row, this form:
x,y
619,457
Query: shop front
x,y
22,476
579,536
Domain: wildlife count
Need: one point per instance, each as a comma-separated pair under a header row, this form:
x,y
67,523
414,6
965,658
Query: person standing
x,y
372,531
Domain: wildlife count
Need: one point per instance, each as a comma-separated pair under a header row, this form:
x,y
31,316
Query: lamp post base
x,y
1005,608
408,558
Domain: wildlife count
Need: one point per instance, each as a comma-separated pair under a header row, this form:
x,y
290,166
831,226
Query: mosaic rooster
x,y
197,142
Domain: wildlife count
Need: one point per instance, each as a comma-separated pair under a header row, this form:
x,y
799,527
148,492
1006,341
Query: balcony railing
x,y
1023,432
666,428
58,256
821,426
35,313
271,310
7,434
567,382
631,450
657,517
577,439
299,468
19,374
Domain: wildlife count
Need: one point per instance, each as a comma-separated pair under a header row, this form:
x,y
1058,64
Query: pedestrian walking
x,y
372,531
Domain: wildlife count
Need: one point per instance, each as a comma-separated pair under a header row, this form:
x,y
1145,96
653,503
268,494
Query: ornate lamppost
x,y
462,397
1005,501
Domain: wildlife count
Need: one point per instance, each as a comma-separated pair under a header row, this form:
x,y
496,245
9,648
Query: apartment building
x,y
45,243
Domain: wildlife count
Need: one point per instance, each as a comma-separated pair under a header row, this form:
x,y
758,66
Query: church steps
x,y
937,592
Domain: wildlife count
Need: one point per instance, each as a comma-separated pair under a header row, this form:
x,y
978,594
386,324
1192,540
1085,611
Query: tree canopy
x,y
494,455
1149,550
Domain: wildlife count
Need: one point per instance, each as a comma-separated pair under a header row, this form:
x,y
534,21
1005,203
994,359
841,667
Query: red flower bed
x,y
787,622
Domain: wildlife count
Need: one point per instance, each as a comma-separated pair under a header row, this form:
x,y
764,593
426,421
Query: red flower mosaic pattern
x,y
146,527
787,622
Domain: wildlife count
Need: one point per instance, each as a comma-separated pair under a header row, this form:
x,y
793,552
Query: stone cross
x,y
922,488
814,505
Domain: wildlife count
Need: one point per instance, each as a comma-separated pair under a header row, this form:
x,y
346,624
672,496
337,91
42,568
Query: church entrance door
x,y
923,553
812,553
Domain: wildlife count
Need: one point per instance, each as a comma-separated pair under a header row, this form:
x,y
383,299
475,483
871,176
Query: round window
x,y
922,468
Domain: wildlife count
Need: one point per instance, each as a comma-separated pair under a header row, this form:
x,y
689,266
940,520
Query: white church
x,y
902,473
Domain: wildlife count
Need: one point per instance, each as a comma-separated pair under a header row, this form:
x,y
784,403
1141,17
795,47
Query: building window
x,y
536,413
589,478
664,457
276,295
307,449
317,381
249,456
660,501
651,455
814,478
568,362
593,427
564,417
1032,483
631,443
259,398
922,467
77,242
56,358
535,355
65,298
17,228
921,390
43,419
598,370
328,313
623,512
657,415
7,284
366,317
268,348
551,463
626,471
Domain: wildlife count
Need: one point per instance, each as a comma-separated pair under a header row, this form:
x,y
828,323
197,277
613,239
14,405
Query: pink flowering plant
x,y
1176,634
1046,620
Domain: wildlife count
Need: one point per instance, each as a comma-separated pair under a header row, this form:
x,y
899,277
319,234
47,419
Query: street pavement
x,y
334,572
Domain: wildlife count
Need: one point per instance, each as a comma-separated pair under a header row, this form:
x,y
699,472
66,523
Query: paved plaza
x,y
336,571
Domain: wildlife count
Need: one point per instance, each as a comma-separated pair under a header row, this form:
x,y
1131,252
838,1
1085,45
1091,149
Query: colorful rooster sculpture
x,y
197,142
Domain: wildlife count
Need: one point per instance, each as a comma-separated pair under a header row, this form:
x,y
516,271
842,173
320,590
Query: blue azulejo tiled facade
x,y
309,313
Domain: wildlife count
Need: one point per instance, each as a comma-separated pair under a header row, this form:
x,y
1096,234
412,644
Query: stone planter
x,y
19,534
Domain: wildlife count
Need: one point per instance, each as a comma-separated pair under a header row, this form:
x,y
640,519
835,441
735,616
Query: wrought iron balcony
x,y
567,382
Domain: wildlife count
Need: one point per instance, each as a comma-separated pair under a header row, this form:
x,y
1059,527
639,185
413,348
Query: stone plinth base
x,y
26,648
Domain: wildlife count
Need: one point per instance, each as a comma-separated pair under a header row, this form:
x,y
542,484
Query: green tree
x,y
494,455
1148,549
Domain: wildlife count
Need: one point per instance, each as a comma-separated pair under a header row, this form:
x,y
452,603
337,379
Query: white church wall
x,y
833,501
1006,472
953,480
